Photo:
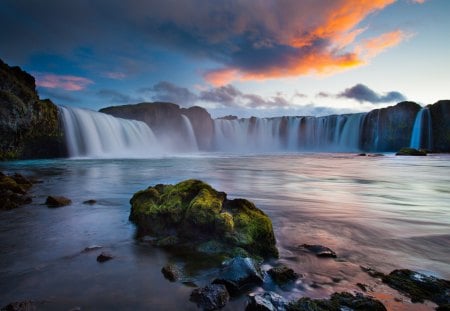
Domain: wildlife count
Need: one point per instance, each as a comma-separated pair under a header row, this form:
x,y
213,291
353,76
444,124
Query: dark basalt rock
x,y
192,213
210,297
411,152
57,201
372,272
13,191
282,274
171,272
267,301
440,116
419,287
104,256
319,250
238,274
337,302
90,202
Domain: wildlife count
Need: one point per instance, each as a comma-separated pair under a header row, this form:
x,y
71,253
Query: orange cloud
x,y
372,47
221,77
65,82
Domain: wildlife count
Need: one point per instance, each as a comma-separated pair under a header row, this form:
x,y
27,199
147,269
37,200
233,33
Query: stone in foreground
x,y
57,201
210,297
319,250
282,274
337,302
193,213
419,287
171,272
411,152
267,301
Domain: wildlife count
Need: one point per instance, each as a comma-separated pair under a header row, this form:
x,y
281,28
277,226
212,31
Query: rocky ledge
x,y
195,215
13,191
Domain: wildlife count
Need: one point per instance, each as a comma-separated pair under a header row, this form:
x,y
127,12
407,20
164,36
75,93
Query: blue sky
x,y
262,57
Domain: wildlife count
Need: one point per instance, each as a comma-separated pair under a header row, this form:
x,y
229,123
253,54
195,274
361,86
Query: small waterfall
x,y
421,136
98,135
192,140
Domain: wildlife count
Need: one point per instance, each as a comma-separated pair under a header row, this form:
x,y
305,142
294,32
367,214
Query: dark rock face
x,y
267,301
389,129
166,119
27,305
337,302
29,127
57,201
282,274
420,287
192,213
13,191
237,274
319,250
210,297
410,152
440,116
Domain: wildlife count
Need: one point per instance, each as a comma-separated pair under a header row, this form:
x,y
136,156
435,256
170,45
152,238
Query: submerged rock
x,y
337,302
91,248
411,152
104,256
171,272
210,297
238,274
419,287
319,250
27,305
282,274
90,202
267,301
193,213
57,201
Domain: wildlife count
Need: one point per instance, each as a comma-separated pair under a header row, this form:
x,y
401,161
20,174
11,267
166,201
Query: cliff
x,y
29,127
167,118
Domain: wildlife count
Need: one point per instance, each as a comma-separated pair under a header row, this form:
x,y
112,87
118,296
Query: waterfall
x,y
421,136
192,141
331,133
98,135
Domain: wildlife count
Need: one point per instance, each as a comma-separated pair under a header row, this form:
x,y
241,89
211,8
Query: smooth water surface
x,y
384,212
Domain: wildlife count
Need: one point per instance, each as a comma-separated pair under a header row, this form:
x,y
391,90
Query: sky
x,y
240,57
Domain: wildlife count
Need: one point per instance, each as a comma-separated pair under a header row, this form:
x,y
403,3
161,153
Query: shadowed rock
x,y
410,152
171,272
57,201
104,256
267,301
282,274
319,250
210,297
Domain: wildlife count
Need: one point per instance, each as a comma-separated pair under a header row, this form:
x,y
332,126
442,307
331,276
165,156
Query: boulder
x,y
238,274
267,301
171,272
210,297
90,202
319,250
419,287
337,302
411,152
192,213
57,201
104,256
26,305
282,274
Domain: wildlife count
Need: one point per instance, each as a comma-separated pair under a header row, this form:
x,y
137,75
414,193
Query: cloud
x,y
324,95
169,92
362,93
65,82
247,40
115,75
224,95
117,97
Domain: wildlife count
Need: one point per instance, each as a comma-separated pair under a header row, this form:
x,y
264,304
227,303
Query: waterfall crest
x,y
98,135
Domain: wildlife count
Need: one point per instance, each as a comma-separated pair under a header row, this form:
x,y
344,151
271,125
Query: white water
x,y
98,135
421,130
192,140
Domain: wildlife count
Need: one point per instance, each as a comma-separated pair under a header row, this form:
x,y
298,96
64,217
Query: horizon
x,y
264,59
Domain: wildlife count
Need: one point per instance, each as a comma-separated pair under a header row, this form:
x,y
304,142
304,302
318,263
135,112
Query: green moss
x,y
411,152
200,215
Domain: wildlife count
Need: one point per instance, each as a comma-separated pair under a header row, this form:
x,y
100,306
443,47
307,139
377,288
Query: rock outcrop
x,y
440,116
13,191
192,213
165,119
29,126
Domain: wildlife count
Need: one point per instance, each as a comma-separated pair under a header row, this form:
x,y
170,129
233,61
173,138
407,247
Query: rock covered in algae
x,y
195,213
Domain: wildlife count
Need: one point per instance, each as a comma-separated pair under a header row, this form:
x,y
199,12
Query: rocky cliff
x,y
440,116
29,127
166,118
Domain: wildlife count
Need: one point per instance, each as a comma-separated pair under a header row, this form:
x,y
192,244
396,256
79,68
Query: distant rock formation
x,y
167,118
29,126
440,116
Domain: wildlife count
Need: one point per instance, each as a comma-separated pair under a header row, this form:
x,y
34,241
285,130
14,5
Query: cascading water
x,y
94,134
192,140
421,136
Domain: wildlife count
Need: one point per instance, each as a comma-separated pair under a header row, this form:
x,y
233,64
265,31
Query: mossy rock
x,y
196,214
411,152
